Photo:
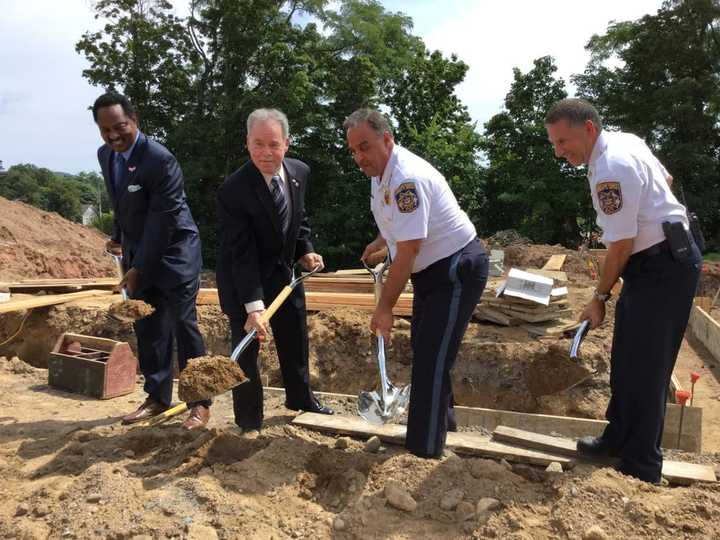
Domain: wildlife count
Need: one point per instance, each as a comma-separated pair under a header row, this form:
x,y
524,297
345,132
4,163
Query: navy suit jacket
x,y
152,219
253,253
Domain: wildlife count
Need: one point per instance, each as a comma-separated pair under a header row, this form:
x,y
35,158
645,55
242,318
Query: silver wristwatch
x,y
602,297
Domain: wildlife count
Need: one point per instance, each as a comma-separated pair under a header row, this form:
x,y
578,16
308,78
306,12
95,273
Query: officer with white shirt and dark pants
x,y
433,243
647,234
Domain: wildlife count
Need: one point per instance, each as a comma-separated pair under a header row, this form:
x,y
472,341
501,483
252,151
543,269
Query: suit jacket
x,y
152,219
253,254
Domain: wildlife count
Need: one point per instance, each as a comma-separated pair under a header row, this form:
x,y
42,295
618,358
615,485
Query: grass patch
x,y
713,256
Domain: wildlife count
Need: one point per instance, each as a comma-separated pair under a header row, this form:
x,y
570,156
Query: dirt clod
x,y
208,376
130,310
398,497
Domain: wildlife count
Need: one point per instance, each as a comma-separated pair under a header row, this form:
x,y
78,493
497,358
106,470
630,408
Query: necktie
x,y
118,171
280,201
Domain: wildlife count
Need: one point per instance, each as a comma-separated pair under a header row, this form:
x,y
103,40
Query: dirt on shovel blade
x,y
130,310
553,371
208,376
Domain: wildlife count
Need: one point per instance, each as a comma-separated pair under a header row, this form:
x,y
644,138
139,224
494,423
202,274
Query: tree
x,y
527,188
658,77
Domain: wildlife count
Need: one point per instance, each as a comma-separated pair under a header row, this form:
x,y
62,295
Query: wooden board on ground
x,y
560,277
48,300
536,317
461,443
555,262
485,313
706,329
552,328
500,303
674,471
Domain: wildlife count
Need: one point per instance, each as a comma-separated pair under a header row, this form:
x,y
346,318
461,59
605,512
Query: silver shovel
x,y
391,402
118,266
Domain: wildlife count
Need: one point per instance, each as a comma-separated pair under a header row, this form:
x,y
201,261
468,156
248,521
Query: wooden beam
x,y
34,285
674,471
560,277
461,443
555,262
551,328
706,329
48,300
567,426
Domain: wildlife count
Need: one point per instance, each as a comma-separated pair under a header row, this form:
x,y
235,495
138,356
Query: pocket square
x,y
132,188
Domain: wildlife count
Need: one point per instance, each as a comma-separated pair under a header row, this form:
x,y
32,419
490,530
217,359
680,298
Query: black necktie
x,y
280,202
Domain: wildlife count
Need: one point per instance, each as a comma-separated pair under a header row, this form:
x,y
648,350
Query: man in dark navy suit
x,y
263,231
155,232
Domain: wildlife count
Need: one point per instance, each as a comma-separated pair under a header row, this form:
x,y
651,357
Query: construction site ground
x,y
69,469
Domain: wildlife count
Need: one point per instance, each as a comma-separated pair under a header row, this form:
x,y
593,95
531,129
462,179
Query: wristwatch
x,y
602,297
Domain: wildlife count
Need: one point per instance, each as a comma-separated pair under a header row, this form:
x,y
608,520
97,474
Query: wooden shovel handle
x,y
279,299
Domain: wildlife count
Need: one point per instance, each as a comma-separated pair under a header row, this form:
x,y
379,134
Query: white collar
x,y
389,167
280,173
598,148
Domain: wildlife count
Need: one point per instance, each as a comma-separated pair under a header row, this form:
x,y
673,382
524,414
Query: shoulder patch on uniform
x,y
610,197
406,197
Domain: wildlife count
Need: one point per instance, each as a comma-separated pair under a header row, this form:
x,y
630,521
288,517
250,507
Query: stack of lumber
x,y
59,285
537,317
20,304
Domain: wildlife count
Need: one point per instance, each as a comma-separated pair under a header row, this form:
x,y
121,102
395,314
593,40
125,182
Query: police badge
x,y
610,197
406,197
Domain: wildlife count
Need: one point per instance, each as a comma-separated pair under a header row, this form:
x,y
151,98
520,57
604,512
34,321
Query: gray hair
x,y
375,119
575,110
261,115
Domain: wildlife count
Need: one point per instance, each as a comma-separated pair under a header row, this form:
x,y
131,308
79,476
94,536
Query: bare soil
x,y
38,244
208,376
130,310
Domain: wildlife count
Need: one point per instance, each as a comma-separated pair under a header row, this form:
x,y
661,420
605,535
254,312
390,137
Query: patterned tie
x,y
280,202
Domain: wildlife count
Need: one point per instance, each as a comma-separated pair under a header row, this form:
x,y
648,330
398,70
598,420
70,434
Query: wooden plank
x,y
691,439
536,317
674,471
485,313
500,303
461,443
552,328
560,277
555,262
703,302
48,300
706,329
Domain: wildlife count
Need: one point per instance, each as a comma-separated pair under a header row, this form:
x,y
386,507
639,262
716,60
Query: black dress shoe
x,y
316,407
594,446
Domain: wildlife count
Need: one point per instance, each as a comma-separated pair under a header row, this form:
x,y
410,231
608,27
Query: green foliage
x,y
54,192
232,56
103,222
526,187
664,86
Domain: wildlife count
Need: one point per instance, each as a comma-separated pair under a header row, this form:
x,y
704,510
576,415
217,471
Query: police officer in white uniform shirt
x,y
433,243
646,231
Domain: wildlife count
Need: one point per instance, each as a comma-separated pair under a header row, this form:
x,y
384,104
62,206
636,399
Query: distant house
x,y
89,213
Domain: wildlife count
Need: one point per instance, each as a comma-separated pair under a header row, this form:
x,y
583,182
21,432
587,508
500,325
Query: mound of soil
x,y
208,376
39,244
130,310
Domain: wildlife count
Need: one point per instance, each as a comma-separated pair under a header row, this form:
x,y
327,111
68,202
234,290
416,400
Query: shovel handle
x,y
279,299
162,417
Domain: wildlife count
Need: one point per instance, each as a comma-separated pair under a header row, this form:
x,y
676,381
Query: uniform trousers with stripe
x,y
650,320
445,295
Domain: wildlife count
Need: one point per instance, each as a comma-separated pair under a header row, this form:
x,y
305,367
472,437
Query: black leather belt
x,y
657,249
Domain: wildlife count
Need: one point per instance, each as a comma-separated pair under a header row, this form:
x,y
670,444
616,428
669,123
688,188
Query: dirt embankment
x,y
39,244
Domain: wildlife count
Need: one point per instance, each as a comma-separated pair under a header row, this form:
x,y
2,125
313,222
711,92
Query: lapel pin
x,y
132,169
294,182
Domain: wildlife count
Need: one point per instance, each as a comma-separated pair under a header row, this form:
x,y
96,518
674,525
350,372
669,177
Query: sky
x,y
44,98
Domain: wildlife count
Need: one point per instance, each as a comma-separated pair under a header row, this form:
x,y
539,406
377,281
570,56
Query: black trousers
x,y
175,316
650,320
445,295
289,328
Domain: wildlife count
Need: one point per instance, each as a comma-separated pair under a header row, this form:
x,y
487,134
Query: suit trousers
x,y
289,328
650,320
175,316
445,296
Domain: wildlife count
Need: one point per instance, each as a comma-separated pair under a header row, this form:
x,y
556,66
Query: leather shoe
x,y
594,446
316,407
148,409
199,416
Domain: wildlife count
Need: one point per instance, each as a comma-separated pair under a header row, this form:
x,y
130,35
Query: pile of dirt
x,y
39,244
709,280
208,376
535,256
130,310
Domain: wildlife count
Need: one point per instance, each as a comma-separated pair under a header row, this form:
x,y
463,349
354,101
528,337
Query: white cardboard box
x,y
528,286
